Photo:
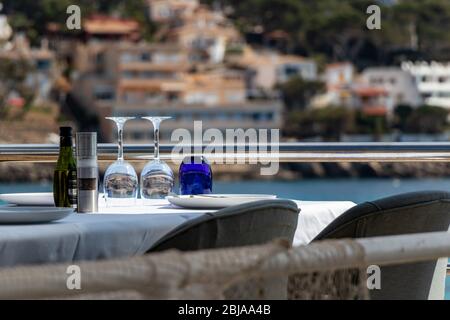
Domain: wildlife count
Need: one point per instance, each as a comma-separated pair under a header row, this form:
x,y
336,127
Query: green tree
x,y
297,93
401,115
13,74
33,16
427,119
329,123
338,30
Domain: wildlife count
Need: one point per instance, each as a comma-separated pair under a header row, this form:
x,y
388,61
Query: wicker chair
x,y
415,212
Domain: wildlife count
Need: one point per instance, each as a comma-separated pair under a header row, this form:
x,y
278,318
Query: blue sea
x,y
356,190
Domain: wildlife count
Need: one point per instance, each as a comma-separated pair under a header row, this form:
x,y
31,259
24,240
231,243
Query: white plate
x,y
216,201
33,214
29,199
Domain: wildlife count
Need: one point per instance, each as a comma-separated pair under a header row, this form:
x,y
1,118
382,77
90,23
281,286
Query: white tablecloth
x,y
122,232
314,215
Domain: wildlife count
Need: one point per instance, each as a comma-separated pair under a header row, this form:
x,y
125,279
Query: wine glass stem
x,y
156,135
120,141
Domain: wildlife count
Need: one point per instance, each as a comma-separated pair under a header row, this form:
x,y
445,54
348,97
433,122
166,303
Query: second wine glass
x,y
120,183
157,178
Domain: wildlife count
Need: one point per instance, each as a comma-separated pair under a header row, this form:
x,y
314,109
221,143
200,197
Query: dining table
x,y
118,232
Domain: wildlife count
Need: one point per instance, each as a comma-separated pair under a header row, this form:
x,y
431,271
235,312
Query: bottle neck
x,y
65,142
65,150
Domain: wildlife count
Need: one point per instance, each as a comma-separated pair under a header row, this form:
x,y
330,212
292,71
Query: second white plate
x,y
29,199
216,201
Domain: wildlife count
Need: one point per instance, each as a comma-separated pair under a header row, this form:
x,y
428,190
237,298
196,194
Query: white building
x,y
339,74
5,29
338,78
267,69
400,84
433,81
167,10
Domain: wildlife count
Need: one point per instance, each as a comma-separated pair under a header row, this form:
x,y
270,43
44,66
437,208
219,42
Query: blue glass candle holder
x,y
195,176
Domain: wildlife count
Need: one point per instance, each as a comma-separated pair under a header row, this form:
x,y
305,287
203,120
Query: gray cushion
x,y
248,224
415,212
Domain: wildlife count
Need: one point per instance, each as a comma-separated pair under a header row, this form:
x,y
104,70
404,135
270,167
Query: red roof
x,y
17,102
107,24
370,92
335,65
375,111
280,34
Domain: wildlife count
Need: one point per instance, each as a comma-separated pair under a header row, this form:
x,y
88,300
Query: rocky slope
x,y
29,172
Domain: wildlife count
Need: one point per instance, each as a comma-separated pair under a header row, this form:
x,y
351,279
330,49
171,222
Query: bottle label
x,y
72,188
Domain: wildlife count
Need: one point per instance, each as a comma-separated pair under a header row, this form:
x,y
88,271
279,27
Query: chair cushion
x,y
346,225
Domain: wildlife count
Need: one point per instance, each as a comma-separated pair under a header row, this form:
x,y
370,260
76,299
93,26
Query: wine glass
x,y
156,178
121,181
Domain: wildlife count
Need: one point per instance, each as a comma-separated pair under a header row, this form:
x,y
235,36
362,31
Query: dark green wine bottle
x,y
65,175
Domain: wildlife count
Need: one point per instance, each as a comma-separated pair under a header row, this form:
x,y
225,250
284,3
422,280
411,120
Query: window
x,y
164,12
426,95
104,96
206,116
128,74
43,65
444,94
147,74
222,116
256,116
166,58
126,57
375,80
154,97
235,96
132,96
145,56
103,93
290,71
173,96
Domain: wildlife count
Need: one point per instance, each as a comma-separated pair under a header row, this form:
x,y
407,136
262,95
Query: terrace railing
x,y
249,153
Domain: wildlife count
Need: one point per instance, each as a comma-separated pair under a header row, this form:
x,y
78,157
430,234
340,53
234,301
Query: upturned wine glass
x,y
157,178
121,181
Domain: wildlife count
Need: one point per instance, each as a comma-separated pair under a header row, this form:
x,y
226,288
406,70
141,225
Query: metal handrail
x,y
283,152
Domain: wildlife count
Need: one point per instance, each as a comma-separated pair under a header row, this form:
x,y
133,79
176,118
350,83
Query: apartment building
x,y
400,84
432,80
155,79
376,91
215,87
266,69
